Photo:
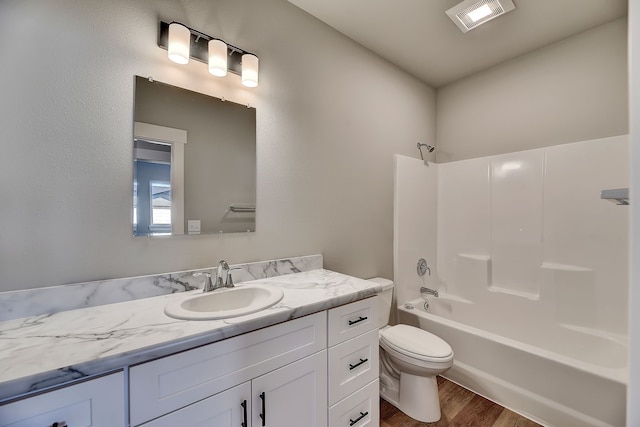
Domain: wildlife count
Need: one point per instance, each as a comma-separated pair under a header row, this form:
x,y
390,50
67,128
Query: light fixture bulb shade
x,y
179,42
249,70
218,58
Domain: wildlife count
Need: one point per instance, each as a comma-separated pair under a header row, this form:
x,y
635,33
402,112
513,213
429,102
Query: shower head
x,y
429,148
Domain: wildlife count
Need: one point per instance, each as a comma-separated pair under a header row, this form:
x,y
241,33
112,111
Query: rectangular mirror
x,y
194,162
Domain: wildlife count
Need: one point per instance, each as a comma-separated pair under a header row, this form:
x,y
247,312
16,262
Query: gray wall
x,y
570,91
330,116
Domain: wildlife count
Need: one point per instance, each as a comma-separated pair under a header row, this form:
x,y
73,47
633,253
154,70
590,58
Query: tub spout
x,y
429,291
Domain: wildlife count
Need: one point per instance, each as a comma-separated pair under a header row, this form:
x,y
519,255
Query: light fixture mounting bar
x,y
199,47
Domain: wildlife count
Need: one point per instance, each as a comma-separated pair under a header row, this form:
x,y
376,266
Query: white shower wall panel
x,y
415,231
532,224
585,237
516,221
463,223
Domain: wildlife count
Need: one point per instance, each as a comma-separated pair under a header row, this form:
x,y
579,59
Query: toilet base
x,y
419,397
414,395
389,389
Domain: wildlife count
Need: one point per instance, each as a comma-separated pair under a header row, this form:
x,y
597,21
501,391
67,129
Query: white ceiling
x,y
420,38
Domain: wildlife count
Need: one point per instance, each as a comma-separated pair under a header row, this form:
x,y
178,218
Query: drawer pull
x,y
360,319
263,415
352,367
244,410
362,415
60,424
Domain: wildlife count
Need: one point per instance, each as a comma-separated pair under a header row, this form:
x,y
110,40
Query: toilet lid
x,y
416,342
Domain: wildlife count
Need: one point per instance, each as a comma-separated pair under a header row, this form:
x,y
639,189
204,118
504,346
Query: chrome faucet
x,y
223,276
429,291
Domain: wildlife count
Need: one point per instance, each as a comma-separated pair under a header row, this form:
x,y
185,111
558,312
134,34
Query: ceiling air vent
x,y
471,13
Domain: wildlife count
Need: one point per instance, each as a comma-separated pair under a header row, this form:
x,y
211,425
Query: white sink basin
x,y
224,303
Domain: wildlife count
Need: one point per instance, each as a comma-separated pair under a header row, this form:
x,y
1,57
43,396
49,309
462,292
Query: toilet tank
x,y
385,300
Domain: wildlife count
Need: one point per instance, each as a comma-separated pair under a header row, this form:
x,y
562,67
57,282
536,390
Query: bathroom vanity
x,y
312,360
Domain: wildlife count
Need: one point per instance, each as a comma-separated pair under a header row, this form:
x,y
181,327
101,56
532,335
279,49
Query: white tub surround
x,y
42,351
527,253
532,225
34,302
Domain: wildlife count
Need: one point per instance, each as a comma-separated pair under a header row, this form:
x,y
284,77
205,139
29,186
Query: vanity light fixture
x,y
218,58
249,70
179,43
471,13
183,43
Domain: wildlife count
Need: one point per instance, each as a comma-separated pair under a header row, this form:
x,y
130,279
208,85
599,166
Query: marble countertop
x,y
48,350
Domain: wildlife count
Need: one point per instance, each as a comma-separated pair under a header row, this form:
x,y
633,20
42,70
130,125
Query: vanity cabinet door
x,y
292,396
97,402
231,408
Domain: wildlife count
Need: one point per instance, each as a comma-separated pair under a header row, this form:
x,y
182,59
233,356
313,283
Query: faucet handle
x,y
230,277
422,267
208,285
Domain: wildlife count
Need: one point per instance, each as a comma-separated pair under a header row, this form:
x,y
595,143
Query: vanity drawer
x,y
175,381
352,365
361,409
350,320
97,402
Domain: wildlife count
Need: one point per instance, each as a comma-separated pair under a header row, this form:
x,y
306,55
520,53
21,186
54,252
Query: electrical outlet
x,y
193,226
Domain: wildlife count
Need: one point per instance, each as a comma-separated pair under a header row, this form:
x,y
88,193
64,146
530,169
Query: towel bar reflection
x,y
242,209
619,196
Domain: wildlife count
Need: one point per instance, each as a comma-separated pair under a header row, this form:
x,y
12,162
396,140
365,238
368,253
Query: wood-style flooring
x,y
459,407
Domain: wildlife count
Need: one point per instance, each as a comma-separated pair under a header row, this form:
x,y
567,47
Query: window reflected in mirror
x,y
152,188
161,205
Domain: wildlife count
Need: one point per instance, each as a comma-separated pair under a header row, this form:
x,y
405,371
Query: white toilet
x,y
410,359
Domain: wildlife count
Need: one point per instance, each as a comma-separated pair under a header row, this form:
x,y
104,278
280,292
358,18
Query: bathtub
x,y
556,374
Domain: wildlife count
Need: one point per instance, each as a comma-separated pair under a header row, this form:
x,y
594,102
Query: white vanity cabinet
x,y
353,364
319,370
286,362
96,402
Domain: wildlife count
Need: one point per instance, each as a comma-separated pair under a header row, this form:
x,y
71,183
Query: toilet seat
x,y
416,343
